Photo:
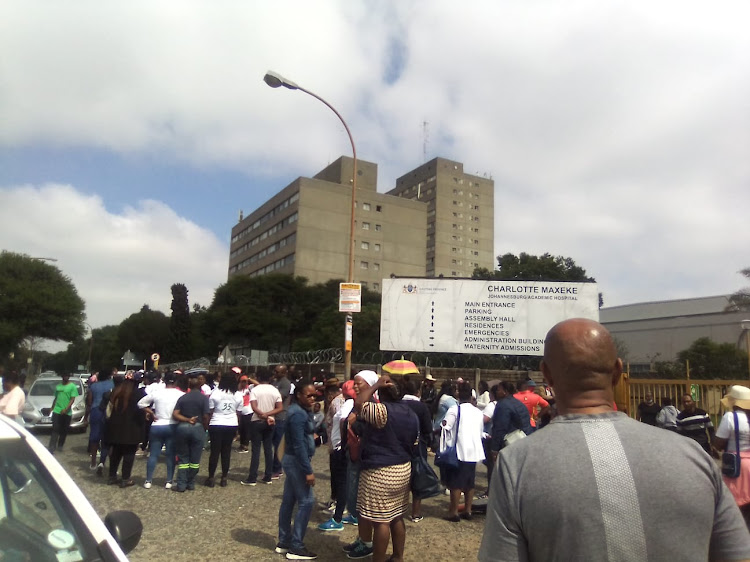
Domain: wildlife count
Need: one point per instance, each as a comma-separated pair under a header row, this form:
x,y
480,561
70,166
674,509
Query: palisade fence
x,y
707,394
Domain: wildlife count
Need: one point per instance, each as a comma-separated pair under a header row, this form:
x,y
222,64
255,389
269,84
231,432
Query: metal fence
x,y
707,394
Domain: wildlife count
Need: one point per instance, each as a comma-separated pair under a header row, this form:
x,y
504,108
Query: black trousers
x,y
222,437
338,464
60,425
124,453
261,434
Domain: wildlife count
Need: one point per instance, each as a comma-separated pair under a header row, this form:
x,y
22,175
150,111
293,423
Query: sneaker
x,y
267,481
330,506
242,451
350,520
276,476
300,554
126,484
331,525
147,485
92,467
360,551
281,549
249,482
168,485
22,488
140,453
351,546
416,518
100,469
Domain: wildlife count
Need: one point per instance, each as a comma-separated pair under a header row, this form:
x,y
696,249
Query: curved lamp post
x,y
275,80
745,324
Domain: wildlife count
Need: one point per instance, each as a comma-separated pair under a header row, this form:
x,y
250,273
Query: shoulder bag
x,y
448,458
730,462
424,482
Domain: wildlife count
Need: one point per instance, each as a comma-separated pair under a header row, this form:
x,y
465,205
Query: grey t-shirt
x,y
284,386
606,487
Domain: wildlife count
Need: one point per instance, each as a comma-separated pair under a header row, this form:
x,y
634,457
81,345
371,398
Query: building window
x,y
453,250
378,227
377,247
453,262
364,265
476,253
365,245
365,226
379,208
455,226
376,286
365,206
364,284
376,266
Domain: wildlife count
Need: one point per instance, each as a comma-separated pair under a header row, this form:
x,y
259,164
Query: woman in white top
x,y
159,406
737,402
468,440
224,404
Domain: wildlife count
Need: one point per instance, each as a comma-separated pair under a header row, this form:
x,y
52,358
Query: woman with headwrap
x,y
391,429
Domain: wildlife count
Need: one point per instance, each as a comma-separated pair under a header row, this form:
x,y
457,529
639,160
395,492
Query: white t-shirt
x,y
163,402
488,412
246,409
224,406
469,440
12,403
267,397
726,431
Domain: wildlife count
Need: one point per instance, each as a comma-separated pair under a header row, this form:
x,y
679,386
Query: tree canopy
x,y
740,301
180,342
711,360
36,300
526,267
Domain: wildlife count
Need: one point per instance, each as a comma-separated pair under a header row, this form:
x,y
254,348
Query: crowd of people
x,y
561,461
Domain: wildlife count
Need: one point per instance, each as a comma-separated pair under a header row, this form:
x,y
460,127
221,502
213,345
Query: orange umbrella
x,y
400,367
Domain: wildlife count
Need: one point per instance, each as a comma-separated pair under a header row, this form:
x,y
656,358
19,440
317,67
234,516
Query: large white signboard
x,y
465,316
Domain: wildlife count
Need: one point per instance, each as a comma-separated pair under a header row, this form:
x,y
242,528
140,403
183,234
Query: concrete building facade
x,y
460,216
658,331
437,221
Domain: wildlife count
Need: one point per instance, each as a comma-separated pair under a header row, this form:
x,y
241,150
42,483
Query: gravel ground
x,y
240,522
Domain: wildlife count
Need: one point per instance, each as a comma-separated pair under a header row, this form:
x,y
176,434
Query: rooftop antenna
x,y
425,139
241,216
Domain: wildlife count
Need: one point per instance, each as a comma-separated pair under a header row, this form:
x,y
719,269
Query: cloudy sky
x,y
617,133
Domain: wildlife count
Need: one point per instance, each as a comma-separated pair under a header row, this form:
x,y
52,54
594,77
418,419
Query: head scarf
x,y
348,390
370,377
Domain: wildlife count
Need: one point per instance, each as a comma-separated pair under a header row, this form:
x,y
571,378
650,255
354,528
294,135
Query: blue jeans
x,y
161,435
189,440
278,433
296,491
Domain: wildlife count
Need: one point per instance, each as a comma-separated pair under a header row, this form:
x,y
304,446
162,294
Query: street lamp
x,y
745,325
275,80
91,346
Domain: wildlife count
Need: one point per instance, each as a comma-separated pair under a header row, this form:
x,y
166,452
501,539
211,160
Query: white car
x,y
44,516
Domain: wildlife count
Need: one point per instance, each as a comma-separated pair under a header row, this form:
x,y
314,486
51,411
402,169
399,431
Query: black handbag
x,y
730,462
449,457
424,482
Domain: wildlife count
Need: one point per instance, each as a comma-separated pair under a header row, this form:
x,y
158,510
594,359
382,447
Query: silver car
x,y
38,410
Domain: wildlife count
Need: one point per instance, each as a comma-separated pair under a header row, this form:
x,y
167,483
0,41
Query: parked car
x,y
44,516
38,410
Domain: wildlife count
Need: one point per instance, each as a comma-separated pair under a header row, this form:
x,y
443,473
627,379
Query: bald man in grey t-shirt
x,y
597,485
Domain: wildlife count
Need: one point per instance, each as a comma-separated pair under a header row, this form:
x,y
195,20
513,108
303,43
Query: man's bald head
x,y
581,363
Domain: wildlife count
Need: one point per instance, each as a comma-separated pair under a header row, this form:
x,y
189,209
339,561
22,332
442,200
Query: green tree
x,y
180,343
711,360
144,332
526,267
36,300
740,301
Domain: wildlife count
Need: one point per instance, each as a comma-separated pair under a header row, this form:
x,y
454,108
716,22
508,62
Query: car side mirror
x,y
125,527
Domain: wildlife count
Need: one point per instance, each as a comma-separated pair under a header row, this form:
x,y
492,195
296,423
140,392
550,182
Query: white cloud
x,y
617,132
117,261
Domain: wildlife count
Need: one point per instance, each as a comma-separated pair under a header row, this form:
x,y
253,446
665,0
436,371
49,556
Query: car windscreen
x,y
47,387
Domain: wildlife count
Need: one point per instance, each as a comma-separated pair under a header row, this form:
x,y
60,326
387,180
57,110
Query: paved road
x,y
240,522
